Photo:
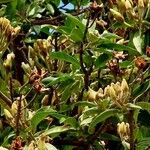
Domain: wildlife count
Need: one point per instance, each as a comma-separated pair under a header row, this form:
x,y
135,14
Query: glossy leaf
x,y
65,57
40,115
118,47
137,40
102,117
141,89
102,60
57,129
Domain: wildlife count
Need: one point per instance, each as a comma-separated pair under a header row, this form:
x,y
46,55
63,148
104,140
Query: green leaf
x,y
49,81
50,8
144,143
102,117
56,2
107,136
57,129
109,35
118,47
141,89
72,88
40,115
65,57
91,111
71,122
11,9
144,105
84,103
86,121
76,21
137,41
5,1
73,28
130,105
102,60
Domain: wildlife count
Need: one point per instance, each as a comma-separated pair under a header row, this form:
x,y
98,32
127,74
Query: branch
x,y
4,100
56,20
131,123
85,71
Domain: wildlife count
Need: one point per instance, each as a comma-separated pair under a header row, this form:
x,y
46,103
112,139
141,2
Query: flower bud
x,y
45,100
100,94
121,5
2,148
123,130
140,3
91,95
26,68
14,108
8,61
7,33
32,146
128,5
112,93
8,114
117,15
124,85
41,142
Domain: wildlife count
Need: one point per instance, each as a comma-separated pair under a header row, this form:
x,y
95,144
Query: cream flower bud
x,y
140,3
91,95
128,5
8,61
8,114
26,68
118,16
124,86
112,93
123,130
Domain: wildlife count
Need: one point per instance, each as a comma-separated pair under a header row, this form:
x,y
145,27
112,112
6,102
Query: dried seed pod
x,y
140,63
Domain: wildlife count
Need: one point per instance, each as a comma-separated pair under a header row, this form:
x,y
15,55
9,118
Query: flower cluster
x,y
119,93
7,33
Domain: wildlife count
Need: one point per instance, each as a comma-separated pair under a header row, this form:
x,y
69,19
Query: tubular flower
x,y
123,130
42,46
7,33
8,62
118,92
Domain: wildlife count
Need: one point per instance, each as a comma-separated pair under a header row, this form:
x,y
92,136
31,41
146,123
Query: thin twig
x,y
18,115
11,88
85,71
56,20
5,99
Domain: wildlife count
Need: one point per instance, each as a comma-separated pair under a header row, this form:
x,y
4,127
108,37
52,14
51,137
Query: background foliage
x,y
74,74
